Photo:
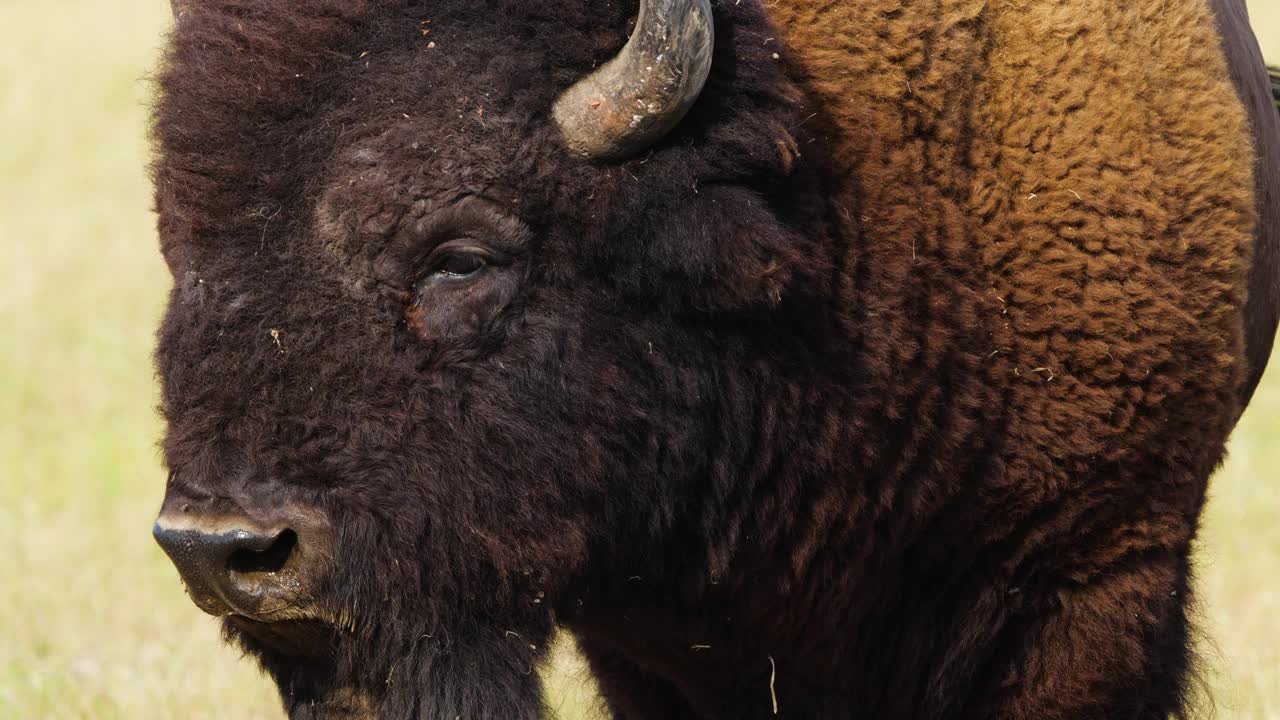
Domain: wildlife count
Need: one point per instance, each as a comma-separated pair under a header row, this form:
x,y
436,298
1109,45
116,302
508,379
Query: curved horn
x,y
633,100
177,8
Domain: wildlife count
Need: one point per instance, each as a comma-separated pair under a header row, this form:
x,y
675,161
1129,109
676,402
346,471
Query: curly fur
x,y
888,385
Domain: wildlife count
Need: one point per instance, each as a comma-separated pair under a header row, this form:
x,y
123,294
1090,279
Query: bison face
x,y
433,382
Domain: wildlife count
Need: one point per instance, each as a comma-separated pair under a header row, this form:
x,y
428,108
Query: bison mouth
x,y
303,639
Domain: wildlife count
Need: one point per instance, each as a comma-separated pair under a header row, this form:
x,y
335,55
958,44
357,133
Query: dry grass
x,y
93,623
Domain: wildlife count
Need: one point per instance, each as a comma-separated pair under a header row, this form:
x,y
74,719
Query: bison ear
x,y
755,258
722,249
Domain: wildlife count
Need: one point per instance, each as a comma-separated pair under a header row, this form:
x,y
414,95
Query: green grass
x,y
93,622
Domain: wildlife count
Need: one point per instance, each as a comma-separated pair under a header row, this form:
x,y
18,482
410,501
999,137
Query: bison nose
x,y
236,568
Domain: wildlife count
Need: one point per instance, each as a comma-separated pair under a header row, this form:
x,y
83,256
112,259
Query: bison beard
x,y
887,384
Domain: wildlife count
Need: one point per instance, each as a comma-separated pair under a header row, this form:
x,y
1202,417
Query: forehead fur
x,y
266,105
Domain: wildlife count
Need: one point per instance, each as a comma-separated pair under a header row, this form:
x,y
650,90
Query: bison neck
x,y
1038,318
828,503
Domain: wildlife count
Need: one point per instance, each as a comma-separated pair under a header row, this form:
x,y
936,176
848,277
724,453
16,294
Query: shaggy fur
x,y
888,385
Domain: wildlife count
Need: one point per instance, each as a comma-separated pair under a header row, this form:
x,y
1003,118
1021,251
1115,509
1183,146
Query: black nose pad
x,y
233,566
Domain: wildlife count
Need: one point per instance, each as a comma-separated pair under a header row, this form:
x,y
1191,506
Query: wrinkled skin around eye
x,y
466,284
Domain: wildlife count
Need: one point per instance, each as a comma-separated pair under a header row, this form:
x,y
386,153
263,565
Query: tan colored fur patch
x,y
1083,168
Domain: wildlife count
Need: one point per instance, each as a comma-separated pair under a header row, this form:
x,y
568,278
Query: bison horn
x,y
177,8
636,98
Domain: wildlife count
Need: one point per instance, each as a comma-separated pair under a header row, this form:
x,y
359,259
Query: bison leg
x,y
1113,645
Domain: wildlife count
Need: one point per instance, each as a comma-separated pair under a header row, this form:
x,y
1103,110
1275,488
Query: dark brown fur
x,y
887,386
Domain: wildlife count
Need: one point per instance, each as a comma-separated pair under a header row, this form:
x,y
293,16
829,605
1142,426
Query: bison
x,y
804,359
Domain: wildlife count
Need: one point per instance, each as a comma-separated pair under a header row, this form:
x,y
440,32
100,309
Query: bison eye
x,y
458,261
459,265
461,287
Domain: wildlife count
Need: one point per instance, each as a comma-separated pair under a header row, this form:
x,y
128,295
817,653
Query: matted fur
x,y
888,385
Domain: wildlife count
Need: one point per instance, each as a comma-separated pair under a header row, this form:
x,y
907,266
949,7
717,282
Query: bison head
x,y
460,341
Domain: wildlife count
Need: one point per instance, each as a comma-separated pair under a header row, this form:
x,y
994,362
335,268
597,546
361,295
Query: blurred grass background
x,y
93,621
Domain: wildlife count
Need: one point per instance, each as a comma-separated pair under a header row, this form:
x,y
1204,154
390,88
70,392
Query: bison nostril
x,y
273,558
